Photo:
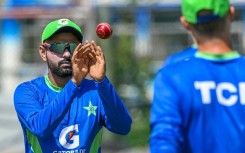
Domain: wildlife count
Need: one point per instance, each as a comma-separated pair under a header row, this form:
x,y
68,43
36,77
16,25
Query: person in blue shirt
x,y
199,104
64,111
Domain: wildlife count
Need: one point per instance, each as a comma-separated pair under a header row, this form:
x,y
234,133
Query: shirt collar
x,y
50,85
218,57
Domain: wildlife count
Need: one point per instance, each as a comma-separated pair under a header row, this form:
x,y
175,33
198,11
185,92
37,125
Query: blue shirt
x,y
199,106
185,54
68,119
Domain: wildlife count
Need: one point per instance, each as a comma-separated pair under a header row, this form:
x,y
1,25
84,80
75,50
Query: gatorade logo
x,y
69,137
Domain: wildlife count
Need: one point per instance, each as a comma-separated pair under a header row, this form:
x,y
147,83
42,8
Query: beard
x,y
58,70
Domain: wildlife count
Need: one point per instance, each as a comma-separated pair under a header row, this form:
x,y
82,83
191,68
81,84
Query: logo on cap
x,y
63,21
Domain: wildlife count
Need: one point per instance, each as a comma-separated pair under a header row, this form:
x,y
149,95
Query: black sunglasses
x,y
61,47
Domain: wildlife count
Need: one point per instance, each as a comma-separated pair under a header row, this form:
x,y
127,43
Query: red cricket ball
x,y
104,30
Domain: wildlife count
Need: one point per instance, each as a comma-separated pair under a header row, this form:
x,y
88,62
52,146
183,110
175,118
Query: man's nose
x,y
67,53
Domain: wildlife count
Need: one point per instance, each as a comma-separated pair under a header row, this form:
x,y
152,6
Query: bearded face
x,y
58,50
63,68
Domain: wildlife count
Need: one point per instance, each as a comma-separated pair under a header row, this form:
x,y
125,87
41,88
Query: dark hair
x,y
210,29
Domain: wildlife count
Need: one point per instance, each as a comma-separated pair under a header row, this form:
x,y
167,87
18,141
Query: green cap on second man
x,y
59,25
190,9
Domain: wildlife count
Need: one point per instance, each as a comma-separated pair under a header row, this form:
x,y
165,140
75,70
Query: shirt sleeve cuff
x,y
102,83
72,85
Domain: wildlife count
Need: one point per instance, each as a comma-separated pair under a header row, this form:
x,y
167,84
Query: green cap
x,y
190,9
60,25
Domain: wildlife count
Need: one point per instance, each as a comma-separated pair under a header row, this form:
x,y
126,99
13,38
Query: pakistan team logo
x,y
63,21
91,109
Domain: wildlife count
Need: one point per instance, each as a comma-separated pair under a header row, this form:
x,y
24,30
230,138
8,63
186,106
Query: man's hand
x,y
97,64
80,63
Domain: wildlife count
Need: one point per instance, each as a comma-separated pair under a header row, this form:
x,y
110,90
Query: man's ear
x,y
232,13
185,23
42,52
188,28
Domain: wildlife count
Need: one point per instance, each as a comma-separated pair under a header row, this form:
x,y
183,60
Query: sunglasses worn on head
x,y
61,47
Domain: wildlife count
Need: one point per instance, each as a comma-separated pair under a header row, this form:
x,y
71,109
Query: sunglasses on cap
x,y
61,47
